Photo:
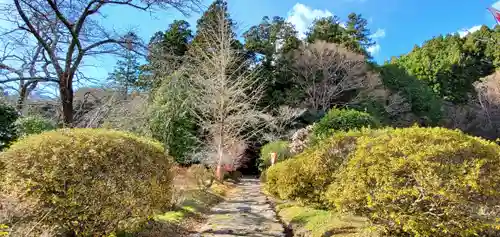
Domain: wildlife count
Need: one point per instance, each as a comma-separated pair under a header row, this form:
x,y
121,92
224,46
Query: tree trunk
x,y
220,152
22,98
66,93
24,91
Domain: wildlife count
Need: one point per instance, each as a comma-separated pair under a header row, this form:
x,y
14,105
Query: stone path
x,y
246,212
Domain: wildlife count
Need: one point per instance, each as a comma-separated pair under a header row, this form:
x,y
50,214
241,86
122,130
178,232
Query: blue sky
x,y
397,24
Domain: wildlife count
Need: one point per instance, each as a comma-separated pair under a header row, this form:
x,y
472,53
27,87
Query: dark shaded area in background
x,y
250,167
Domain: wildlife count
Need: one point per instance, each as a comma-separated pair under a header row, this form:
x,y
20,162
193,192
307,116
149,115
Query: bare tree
x,y
278,123
26,66
224,93
69,31
326,71
488,104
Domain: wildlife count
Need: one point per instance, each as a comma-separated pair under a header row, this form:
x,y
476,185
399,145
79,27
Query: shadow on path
x,y
246,212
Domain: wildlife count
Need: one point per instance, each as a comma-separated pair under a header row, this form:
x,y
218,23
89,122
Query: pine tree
x,y
210,18
166,53
126,73
357,30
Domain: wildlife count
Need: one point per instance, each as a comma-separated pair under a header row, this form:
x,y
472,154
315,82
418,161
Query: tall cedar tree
x,y
273,40
167,50
354,35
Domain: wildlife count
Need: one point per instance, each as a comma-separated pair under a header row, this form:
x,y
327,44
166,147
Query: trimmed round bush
x,y
86,182
305,177
422,182
342,120
33,125
282,148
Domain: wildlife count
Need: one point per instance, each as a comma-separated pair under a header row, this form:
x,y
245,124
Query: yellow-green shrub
x,y
204,176
87,181
422,181
305,177
282,151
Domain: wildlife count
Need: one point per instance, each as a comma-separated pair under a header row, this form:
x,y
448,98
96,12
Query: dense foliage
x,y
305,177
422,181
451,64
342,120
419,181
172,122
33,125
423,101
282,149
8,116
85,181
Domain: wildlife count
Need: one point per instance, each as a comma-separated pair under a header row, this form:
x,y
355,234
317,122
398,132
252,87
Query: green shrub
x,y
424,102
33,125
342,120
421,181
172,122
8,116
280,147
86,181
305,177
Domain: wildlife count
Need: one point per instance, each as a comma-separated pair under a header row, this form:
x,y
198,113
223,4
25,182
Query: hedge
x,y
85,181
422,181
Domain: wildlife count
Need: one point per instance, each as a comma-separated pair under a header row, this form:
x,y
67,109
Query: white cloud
x,y
303,16
380,33
496,5
373,50
473,29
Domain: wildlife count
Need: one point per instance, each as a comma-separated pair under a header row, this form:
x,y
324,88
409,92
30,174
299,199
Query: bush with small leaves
x,y
282,153
33,125
342,120
8,116
305,177
422,182
86,182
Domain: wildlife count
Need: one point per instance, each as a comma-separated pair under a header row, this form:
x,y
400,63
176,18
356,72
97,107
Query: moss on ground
x,y
185,217
307,221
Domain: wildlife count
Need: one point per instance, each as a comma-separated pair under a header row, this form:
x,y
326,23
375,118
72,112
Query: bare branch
x,y
224,93
326,71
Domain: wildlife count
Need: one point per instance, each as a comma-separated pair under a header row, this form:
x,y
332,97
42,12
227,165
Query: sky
x,y
396,25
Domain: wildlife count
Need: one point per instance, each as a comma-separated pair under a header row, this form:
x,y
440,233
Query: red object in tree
x,y
228,167
495,13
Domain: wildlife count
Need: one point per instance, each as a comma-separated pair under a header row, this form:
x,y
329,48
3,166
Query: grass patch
x,y
318,223
196,202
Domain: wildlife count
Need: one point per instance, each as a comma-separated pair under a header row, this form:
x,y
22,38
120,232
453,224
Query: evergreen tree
x,y
209,19
166,53
358,34
354,35
328,29
451,64
273,40
126,73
